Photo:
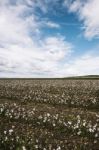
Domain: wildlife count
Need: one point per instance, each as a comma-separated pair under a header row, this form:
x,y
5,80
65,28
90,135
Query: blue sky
x,y
46,38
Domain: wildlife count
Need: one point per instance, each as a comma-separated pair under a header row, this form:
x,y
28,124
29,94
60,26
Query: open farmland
x,y
49,114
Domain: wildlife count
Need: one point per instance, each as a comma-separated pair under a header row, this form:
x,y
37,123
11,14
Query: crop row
x,y
83,94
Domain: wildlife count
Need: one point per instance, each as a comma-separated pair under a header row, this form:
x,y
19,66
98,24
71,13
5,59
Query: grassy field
x,y
49,114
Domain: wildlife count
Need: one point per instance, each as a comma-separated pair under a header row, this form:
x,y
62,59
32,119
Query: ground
x,y
49,114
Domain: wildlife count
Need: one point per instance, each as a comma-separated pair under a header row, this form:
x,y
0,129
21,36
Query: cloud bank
x,y
26,52
23,50
87,11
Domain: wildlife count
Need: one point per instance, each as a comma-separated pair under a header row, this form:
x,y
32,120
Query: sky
x,y
49,38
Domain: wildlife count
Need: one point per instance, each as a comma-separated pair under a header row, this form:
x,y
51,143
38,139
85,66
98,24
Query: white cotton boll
x,y
96,135
79,132
84,124
97,129
5,132
91,130
23,148
1,110
48,114
36,146
54,124
10,131
40,117
59,148
78,121
14,104
94,101
69,122
6,138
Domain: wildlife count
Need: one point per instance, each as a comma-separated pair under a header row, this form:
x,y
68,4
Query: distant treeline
x,y
88,77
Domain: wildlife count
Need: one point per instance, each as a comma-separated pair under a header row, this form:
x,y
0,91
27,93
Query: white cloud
x,y
52,24
43,59
14,28
56,48
84,65
87,65
47,5
87,11
23,51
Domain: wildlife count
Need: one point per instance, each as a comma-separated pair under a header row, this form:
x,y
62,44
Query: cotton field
x,y
49,114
